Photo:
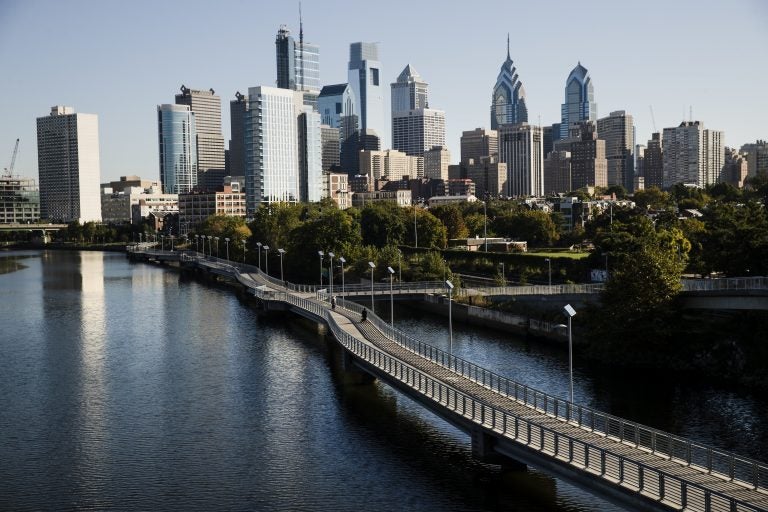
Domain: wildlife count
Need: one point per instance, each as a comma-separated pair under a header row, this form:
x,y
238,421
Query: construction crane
x,y
9,170
653,119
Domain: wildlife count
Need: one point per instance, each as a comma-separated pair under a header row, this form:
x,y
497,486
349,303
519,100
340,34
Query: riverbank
x,y
64,246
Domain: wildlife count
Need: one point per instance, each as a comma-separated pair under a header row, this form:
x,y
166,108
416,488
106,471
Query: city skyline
x,y
137,64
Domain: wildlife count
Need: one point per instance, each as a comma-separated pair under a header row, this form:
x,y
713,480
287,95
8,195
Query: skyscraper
x,y
618,131
237,111
298,64
436,162
177,138
271,147
365,82
579,103
329,138
557,172
310,155
589,168
693,155
757,157
508,99
336,105
68,163
479,143
521,148
653,163
210,143
415,127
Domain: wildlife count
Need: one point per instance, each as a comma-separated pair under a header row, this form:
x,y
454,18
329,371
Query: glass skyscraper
x,y
508,100
365,82
579,103
177,137
298,65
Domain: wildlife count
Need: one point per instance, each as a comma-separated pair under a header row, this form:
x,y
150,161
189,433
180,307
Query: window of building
x,y
374,76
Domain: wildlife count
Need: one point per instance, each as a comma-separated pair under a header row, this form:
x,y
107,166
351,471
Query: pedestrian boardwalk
x,y
631,464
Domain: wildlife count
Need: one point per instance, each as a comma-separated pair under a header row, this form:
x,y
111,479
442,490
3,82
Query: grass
x,y
556,254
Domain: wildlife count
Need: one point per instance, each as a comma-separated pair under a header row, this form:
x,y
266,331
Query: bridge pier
x,y
483,450
353,374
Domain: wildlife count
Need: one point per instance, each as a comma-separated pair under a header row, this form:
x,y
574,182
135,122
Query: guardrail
x,y
724,284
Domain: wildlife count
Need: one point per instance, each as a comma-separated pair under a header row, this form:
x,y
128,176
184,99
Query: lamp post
x,y
226,242
391,297
321,254
244,249
210,246
162,242
258,244
485,224
266,258
217,245
330,272
373,266
197,246
449,285
549,265
570,312
281,251
503,275
415,232
171,237
343,261
399,267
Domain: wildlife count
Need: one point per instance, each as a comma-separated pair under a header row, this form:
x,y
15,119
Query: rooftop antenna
x,y
690,113
653,119
508,57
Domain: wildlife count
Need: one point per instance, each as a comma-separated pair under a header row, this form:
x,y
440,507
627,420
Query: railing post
x,y
683,494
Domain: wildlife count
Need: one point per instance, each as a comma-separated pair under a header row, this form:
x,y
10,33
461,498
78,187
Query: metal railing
x,y
725,284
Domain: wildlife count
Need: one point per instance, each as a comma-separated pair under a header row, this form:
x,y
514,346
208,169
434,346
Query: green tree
x,y
272,224
432,233
383,223
452,219
736,239
653,198
534,226
475,223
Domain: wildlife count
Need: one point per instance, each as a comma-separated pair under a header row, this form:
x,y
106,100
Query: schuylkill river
x,y
130,387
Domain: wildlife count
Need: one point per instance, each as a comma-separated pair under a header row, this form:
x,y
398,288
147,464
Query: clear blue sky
x,y
120,59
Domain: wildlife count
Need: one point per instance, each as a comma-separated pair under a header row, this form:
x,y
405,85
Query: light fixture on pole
x,y
399,267
570,312
259,244
391,297
244,249
449,285
162,242
330,272
266,258
415,232
210,245
321,254
549,265
373,266
171,237
197,238
503,275
281,251
485,224
217,245
343,261
226,242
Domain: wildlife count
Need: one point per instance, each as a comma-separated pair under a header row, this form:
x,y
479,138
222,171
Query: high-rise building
x,y
237,111
329,138
479,143
508,99
618,132
389,165
589,168
735,168
436,162
521,148
653,163
298,64
19,200
557,172
336,105
366,85
579,103
68,163
177,137
692,155
206,106
416,128
757,157
272,146
490,177
310,155
361,140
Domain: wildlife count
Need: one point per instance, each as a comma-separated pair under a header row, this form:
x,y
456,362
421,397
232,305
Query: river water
x,y
130,387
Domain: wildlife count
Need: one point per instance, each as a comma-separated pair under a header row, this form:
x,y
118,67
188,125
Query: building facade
x,y
436,162
298,65
389,165
557,172
68,163
365,81
491,177
579,103
206,106
195,207
521,148
618,132
757,157
336,185
417,131
693,155
589,167
237,112
653,163
310,155
735,169
177,142
331,144
19,200
508,99
479,143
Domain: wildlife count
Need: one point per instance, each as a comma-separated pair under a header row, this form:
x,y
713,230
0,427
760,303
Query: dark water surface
x,y
129,387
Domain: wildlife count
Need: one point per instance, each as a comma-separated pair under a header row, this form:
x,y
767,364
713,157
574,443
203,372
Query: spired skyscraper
x,y
579,103
508,100
416,128
298,64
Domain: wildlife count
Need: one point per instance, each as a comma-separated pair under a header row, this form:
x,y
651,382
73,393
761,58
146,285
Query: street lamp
x,y
226,241
549,264
571,313
281,251
343,261
171,237
197,238
373,266
258,244
503,275
330,272
399,267
321,254
162,242
391,298
415,233
210,245
266,258
217,245
244,249
485,224
449,285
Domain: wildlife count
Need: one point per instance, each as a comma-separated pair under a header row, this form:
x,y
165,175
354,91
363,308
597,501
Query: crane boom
x,y
13,158
653,119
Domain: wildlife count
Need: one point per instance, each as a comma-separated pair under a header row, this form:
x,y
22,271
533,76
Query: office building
x,y
389,165
579,103
206,106
310,149
416,131
331,147
508,98
693,155
361,140
298,64
336,186
589,167
68,163
119,206
195,207
366,85
757,157
272,146
131,181
177,136
618,132
491,177
557,172
409,92
521,148
237,111
653,163
479,143
399,197
735,168
336,105
436,162
19,200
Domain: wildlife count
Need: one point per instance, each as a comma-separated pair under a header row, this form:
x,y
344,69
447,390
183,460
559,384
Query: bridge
x,y
626,462
43,229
